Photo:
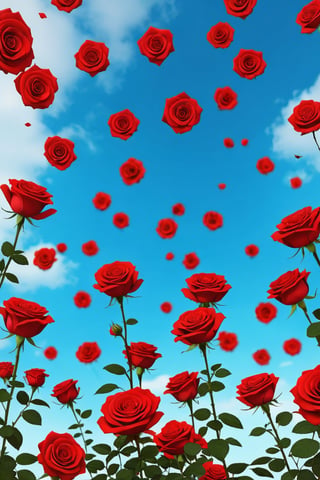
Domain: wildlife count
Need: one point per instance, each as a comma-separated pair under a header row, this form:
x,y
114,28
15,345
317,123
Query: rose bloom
x,y
66,6
240,8
178,209
61,456
166,307
265,312
225,98
102,201
212,220
181,113
130,413
299,229
16,52
191,261
141,354
227,341
66,392
290,288
24,318
214,471
37,87
88,352
82,299
6,370
123,124
59,152
220,35
42,15
265,165
295,182
249,64
169,256
306,117
257,390
120,220
132,171
262,356
183,386
309,17
117,279
90,248
221,186
156,44
28,199
92,57
173,437
307,395
44,258
50,353
244,142
292,346
61,247
166,228
197,326
35,377
251,250
228,143
206,287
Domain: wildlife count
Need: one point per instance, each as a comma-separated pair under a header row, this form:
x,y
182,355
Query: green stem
x,y
316,257
303,307
189,402
315,139
136,440
3,274
81,431
120,300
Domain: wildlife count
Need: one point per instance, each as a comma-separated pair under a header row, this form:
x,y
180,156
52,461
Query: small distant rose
x,y
226,98
61,247
212,220
90,248
262,356
59,152
132,171
166,307
120,220
123,124
228,341
88,352
37,87
220,35
66,6
181,113
156,44
101,201
309,17
166,228
191,261
265,165
292,346
44,258
92,57
50,353
82,299
251,250
240,8
178,209
249,64
265,312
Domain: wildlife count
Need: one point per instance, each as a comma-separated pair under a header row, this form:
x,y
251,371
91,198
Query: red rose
x,y
120,220
35,377
90,248
249,64
212,220
16,52
309,17
61,456
240,8
220,35
227,341
166,228
61,247
156,44
132,171
169,256
141,354
181,113
244,142
92,57
88,352
166,307
44,258
228,143
292,346
178,209
50,353
66,6
191,261
42,15
214,471
173,437
59,152
24,318
37,87
307,395
306,117
222,186
299,229
66,392
183,386
265,165
197,326
257,390
262,356
206,287
130,413
251,250
117,279
102,201
265,312
28,199
6,370
115,330
295,182
82,299
290,288
226,98
123,124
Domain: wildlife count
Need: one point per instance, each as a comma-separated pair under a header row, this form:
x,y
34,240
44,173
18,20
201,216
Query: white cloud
x,y
301,173
74,131
157,385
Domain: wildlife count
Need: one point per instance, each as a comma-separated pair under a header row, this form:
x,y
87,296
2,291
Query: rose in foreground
x,y
37,87
183,386
61,456
156,44
206,288
59,152
257,390
290,288
117,279
174,436
141,354
195,327
306,117
309,17
299,229
307,395
66,392
181,113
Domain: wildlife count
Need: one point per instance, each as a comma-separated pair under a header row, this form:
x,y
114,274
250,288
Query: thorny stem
x,y
189,402
315,139
81,431
24,408
316,257
136,440
120,300
3,274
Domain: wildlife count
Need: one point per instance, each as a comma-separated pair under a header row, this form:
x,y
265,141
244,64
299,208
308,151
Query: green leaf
x,y
316,313
22,397
11,277
115,369
284,418
75,425
26,459
86,414
133,463
277,464
195,468
304,427
202,414
192,449
131,321
218,448
152,470
89,456
216,366
257,431
32,416
304,448
20,259
222,372
16,384
124,474
106,388
15,439
26,475
237,467
112,469
262,472
128,450
203,431
313,330
4,395
120,441
94,465
217,386
233,441
2,265
6,431
7,249
150,451
38,401
285,442
272,450
101,476
305,475
203,389
231,420
101,448
261,460
215,425
289,475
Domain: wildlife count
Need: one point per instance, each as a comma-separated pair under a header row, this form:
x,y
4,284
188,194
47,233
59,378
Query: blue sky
x,y
179,168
